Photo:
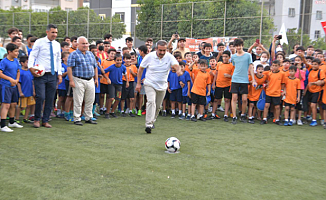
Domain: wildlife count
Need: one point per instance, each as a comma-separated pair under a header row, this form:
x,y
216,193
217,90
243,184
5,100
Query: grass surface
x,y
117,160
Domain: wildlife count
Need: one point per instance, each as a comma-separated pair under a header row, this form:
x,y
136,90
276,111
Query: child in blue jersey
x,y
26,91
9,74
143,50
93,49
175,90
116,70
62,92
186,84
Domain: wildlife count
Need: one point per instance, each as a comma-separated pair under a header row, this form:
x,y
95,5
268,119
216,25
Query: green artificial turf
x,y
116,159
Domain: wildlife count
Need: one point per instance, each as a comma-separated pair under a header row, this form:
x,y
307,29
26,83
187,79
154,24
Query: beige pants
x,y
83,91
154,102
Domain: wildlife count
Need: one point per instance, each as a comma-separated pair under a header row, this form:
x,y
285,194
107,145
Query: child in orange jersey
x,y
275,80
292,95
198,90
221,84
254,92
315,81
104,82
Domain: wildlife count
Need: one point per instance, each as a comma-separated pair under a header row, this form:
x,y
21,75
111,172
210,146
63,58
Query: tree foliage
x,y
79,23
242,19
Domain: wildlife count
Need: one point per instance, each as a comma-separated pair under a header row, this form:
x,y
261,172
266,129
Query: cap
x,y
184,39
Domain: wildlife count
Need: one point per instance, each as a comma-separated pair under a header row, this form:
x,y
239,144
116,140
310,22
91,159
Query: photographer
x,y
259,49
181,46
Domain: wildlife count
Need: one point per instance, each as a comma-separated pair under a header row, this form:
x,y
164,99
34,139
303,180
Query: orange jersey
x,y
71,50
195,73
292,86
286,73
254,92
201,82
131,78
313,77
275,80
322,67
212,74
324,94
105,64
102,56
221,80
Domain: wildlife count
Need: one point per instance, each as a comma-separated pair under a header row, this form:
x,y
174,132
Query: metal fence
x,y
250,20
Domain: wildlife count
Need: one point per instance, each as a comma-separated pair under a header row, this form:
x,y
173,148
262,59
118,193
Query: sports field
x,y
116,159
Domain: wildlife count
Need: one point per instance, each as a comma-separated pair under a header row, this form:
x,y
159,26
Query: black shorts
x,y
127,93
185,100
299,106
115,91
274,100
313,97
323,106
253,102
62,93
69,89
167,95
220,91
198,99
176,95
289,104
9,94
104,88
97,98
239,88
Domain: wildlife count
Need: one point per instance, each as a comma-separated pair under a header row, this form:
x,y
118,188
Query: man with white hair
x,y
158,65
82,73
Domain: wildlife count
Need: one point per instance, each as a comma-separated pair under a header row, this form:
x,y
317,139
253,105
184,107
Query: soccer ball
x,y
172,144
39,70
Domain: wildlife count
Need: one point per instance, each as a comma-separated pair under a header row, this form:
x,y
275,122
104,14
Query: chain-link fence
x,y
223,19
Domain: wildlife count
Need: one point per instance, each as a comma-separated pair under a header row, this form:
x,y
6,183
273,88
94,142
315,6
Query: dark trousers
x,y
45,88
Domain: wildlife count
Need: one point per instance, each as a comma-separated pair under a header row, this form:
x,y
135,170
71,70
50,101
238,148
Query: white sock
x,y
192,115
286,120
183,114
173,112
265,119
127,110
180,111
188,115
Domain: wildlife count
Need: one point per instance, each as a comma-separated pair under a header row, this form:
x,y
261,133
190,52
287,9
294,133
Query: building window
x,y
291,12
319,15
102,16
122,16
317,34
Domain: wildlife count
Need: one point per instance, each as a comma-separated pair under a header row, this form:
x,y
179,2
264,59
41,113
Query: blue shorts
x,y
62,93
185,100
9,94
176,95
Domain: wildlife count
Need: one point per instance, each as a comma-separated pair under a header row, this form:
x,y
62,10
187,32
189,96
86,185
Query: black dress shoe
x,y
148,130
79,123
91,122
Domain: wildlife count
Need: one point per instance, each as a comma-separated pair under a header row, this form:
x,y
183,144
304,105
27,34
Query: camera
x,y
279,37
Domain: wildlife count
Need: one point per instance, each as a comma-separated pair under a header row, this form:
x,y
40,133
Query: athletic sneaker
x,y
6,129
188,117
132,114
251,121
262,122
324,126
123,114
139,113
193,119
243,119
144,112
182,117
107,116
290,123
15,125
286,123
148,130
96,114
164,113
82,118
299,122
278,122
313,123
309,118
322,122
226,119
220,109
202,119
27,121
113,115
234,120
172,116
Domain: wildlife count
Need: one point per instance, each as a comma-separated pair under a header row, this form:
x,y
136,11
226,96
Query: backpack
x,y
261,101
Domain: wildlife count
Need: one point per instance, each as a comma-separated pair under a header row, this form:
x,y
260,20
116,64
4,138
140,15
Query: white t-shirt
x,y
157,70
258,62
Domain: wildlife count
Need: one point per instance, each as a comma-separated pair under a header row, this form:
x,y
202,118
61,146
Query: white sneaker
x,y
299,122
6,129
220,109
210,109
294,121
15,125
322,122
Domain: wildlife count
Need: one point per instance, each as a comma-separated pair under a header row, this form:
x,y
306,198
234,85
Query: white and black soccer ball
x,y
172,144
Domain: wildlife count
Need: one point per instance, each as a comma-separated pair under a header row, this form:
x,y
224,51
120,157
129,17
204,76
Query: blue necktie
x,y
52,59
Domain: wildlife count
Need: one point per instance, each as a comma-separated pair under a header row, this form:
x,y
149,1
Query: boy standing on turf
x,y
26,90
186,84
222,84
116,70
315,81
275,80
240,80
9,74
62,92
175,90
198,96
128,93
292,95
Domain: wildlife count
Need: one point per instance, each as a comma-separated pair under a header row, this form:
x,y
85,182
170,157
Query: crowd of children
x,y
261,85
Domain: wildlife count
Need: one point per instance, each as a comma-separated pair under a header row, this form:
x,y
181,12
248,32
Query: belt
x,y
87,79
47,73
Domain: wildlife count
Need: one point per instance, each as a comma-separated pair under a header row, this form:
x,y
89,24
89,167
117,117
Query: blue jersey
x,y
184,78
241,63
116,73
26,81
173,80
97,89
9,68
62,85
28,50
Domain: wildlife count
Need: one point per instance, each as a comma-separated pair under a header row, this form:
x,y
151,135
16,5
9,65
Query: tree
x,y
80,22
242,19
